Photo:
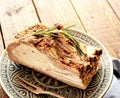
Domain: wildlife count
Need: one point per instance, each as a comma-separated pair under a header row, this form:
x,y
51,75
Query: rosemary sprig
x,y
75,42
44,32
65,32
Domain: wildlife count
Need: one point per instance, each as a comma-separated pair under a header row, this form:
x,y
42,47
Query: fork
x,y
35,89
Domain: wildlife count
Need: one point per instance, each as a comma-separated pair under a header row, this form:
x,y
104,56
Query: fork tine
x,y
36,90
26,87
32,85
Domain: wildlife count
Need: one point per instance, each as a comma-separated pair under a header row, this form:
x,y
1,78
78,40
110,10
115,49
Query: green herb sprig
x,y
74,41
44,32
65,32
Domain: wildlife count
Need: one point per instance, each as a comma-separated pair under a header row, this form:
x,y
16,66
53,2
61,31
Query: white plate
x,y
97,88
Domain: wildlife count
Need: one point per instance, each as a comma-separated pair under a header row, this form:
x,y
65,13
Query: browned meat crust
x,y
61,50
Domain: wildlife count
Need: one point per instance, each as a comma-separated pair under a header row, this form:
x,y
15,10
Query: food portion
x,y
56,53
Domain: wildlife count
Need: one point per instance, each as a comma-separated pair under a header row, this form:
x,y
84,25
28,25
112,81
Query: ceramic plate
x,y
97,88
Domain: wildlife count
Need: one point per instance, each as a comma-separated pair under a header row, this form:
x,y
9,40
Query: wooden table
x,y
100,18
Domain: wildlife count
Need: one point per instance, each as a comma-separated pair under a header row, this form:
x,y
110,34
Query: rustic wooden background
x,y
100,18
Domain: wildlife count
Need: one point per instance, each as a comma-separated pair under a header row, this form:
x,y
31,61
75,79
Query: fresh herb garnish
x,y
44,32
74,41
65,31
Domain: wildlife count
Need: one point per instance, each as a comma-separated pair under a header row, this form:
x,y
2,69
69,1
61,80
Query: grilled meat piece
x,y
55,56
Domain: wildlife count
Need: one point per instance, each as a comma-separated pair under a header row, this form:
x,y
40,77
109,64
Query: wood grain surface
x,y
101,22
16,16
115,6
57,11
1,44
100,18
2,93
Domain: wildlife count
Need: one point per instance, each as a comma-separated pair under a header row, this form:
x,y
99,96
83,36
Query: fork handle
x,y
50,93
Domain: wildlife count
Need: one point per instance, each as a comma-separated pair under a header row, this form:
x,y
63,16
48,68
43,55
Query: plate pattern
x,y
98,86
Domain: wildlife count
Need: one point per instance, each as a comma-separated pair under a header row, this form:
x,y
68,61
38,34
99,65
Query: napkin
x,y
114,90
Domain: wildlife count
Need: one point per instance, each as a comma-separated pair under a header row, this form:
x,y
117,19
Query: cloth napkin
x,y
114,90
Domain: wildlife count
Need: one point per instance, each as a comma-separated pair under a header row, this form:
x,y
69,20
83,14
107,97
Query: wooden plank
x,y
57,11
1,44
2,93
115,5
15,16
99,19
